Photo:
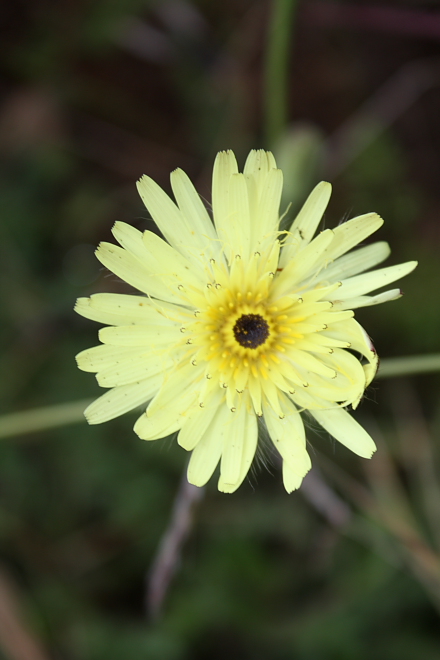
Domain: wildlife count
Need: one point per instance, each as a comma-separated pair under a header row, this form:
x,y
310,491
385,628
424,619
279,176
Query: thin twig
x,y
379,112
168,556
319,494
16,640
394,20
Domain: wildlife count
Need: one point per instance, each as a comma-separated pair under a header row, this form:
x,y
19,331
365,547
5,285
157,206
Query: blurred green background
x,y
94,93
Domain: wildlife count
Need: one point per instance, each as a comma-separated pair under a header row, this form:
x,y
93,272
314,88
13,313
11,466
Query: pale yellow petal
x,y
238,223
258,164
342,426
320,342
351,331
131,240
181,383
157,256
367,301
306,222
350,382
206,454
158,426
198,423
238,449
122,399
122,309
306,398
224,167
338,391
310,363
360,284
291,480
103,356
264,196
271,394
255,394
170,220
171,407
140,335
125,371
302,265
356,261
130,269
288,436
353,232
154,253
169,265
196,215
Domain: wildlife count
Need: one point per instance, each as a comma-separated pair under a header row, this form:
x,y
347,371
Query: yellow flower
x,y
239,324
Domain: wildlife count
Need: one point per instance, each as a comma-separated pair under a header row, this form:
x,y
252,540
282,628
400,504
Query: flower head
x,y
238,323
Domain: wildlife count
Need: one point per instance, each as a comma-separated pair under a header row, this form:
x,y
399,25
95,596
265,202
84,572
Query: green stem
x,y
406,366
41,419
276,73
